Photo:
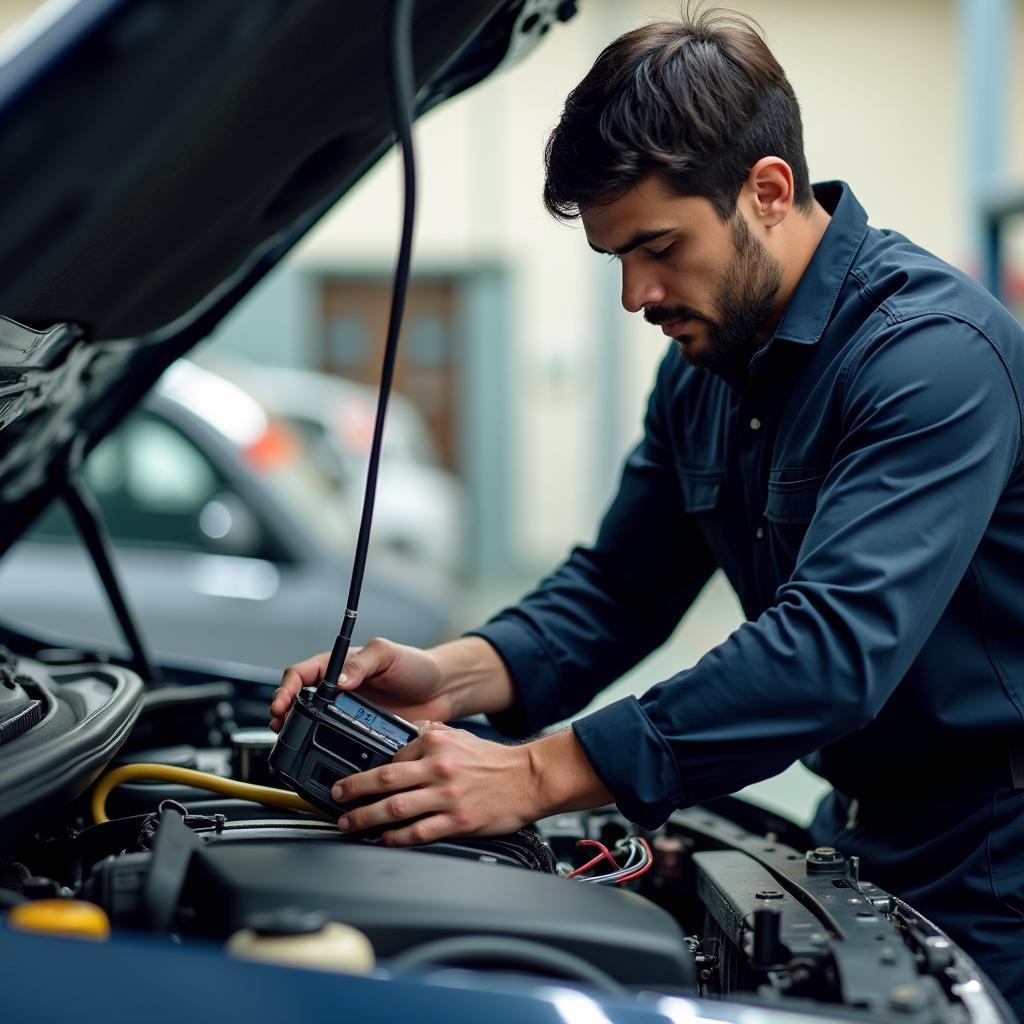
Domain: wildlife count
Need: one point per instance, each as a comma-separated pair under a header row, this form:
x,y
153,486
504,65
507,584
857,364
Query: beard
x,y
744,301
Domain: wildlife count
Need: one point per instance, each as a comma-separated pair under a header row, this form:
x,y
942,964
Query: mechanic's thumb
x,y
366,662
304,673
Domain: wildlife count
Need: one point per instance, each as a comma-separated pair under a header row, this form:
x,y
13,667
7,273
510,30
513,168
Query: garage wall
x,y
881,92
882,88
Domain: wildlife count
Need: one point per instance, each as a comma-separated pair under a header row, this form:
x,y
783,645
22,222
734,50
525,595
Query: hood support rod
x,y
89,522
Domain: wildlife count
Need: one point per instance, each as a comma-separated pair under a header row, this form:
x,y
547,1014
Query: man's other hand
x,y
448,782
449,779
405,680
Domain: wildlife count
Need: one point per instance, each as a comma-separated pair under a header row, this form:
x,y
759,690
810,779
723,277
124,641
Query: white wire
x,y
638,859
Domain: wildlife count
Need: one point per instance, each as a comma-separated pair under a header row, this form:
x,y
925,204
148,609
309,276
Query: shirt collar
x,y
816,293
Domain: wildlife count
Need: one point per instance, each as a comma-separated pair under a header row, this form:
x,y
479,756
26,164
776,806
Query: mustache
x,y
659,315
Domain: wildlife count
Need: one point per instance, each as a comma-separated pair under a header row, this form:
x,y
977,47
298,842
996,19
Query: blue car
x,y
158,158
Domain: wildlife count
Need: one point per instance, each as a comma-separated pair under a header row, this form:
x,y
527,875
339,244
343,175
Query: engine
x,y
722,903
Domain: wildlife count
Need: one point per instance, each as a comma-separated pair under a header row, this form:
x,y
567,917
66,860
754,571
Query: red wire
x,y
605,854
585,867
647,867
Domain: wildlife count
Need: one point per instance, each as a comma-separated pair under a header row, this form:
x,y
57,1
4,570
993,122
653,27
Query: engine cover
x,y
402,899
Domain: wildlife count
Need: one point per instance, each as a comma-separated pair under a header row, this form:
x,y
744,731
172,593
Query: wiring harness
x,y
638,860
200,780
633,852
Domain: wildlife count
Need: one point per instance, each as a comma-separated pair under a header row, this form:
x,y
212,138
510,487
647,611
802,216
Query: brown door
x,y
355,323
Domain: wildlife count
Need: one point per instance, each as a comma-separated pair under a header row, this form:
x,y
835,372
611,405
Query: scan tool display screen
x,y
372,720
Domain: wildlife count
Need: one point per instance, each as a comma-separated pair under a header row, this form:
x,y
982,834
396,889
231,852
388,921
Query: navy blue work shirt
x,y
863,493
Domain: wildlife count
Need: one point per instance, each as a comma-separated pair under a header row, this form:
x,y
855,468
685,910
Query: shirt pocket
x,y
793,494
702,488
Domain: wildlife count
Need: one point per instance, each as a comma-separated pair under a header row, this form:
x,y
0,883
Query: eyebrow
x,y
638,239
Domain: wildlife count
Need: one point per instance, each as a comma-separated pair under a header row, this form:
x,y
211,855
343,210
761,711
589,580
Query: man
x,y
838,428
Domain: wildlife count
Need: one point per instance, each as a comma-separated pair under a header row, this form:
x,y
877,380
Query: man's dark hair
x,y
698,101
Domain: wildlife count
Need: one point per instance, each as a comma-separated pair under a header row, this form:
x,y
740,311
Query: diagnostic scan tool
x,y
323,742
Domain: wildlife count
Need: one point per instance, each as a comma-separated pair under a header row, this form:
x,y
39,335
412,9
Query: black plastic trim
x,y
38,780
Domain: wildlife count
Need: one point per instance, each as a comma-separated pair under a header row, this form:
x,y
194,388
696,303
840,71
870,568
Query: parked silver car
x,y
420,507
231,544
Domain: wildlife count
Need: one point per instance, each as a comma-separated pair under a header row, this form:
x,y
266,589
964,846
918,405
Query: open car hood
x,y
158,157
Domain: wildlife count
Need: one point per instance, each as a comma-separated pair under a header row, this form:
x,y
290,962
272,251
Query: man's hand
x,y
463,677
405,680
454,784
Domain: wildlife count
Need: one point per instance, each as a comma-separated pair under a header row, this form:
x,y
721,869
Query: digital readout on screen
x,y
378,723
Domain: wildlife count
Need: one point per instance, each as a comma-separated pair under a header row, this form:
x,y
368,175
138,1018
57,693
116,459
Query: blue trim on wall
x,y
985,30
485,355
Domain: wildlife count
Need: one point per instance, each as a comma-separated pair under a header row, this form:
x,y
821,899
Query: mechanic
x,y
837,426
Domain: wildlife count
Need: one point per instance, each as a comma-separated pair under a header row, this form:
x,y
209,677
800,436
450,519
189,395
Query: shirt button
x,y
755,424
759,532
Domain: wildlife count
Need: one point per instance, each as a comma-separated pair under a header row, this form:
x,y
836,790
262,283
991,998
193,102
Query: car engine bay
x,y
723,902
126,793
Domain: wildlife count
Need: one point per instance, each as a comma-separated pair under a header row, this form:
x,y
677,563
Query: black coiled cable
x,y
402,85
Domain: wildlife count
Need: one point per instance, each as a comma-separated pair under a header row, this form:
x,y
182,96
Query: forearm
x,y
559,775
475,678
562,777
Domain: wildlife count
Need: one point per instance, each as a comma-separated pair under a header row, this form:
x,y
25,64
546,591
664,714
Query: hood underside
x,y
174,139
158,157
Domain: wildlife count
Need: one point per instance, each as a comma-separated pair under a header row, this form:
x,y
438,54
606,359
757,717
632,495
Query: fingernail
x,y
344,679
343,824
336,793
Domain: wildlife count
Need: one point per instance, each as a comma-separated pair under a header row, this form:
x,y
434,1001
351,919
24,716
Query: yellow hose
x,y
201,780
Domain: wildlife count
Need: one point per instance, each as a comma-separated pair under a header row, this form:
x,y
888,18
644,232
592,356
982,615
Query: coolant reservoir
x,y
301,939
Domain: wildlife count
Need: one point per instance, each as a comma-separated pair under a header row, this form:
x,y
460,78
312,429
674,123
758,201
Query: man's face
x,y
710,285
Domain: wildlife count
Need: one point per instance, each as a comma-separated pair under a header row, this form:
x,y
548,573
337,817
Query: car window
x,y
306,493
157,489
320,448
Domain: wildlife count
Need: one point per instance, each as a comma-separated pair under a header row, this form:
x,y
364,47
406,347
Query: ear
x,y
770,188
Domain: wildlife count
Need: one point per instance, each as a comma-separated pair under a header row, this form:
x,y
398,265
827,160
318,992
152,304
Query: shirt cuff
x,y
633,760
534,676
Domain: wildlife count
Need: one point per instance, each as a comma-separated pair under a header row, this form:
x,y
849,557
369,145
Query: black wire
x,y
401,80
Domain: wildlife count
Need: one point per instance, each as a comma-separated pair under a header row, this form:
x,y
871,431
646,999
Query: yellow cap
x,y
73,918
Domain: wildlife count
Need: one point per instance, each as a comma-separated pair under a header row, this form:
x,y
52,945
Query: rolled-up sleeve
x,y
930,435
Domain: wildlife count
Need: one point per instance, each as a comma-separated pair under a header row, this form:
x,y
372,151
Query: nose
x,y
639,289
